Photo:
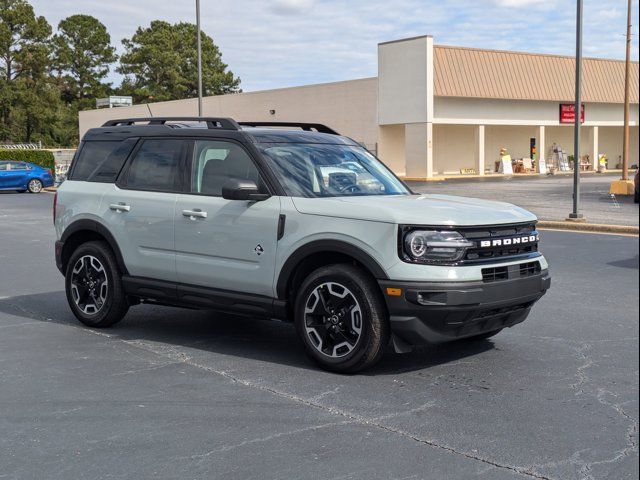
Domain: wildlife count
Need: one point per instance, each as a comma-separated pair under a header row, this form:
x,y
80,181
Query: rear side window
x,y
19,166
156,165
101,161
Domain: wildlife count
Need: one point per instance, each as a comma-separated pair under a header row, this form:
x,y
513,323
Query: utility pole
x,y
624,186
199,59
627,68
576,215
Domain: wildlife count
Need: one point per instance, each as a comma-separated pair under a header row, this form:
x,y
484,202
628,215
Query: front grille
x,y
495,274
475,254
530,268
473,233
500,242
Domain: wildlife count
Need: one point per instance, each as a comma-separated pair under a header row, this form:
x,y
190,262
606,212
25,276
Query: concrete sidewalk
x,y
549,197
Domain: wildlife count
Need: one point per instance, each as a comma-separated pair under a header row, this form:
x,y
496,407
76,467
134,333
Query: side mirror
x,y
238,189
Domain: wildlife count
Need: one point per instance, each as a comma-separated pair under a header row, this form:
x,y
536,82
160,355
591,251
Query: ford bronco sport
x,y
289,221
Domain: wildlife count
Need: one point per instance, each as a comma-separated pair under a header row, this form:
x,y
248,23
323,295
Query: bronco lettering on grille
x,y
499,242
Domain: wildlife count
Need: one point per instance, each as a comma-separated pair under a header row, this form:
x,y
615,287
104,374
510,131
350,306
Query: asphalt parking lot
x,y
550,197
178,394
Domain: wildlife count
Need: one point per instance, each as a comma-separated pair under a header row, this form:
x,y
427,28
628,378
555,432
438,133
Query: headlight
x,y
433,246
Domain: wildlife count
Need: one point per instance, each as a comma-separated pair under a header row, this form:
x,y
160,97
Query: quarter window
x,y
215,162
92,155
110,167
156,166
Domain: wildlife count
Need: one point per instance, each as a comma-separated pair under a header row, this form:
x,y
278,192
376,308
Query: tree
x,y
160,63
24,64
82,55
35,114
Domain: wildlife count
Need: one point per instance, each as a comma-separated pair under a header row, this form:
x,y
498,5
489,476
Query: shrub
x,y
44,158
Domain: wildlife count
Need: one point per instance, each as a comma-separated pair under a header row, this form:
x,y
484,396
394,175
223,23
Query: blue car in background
x,y
24,176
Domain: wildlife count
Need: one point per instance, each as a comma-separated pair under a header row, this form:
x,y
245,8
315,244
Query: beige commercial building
x,y
440,110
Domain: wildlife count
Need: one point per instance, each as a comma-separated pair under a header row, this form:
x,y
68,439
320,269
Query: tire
x,y
90,266
34,186
636,196
482,336
325,332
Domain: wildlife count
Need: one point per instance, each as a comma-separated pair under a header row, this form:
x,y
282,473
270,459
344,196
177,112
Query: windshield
x,y
319,170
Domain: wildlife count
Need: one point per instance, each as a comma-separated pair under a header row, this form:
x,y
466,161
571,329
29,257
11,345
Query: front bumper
x,y
426,313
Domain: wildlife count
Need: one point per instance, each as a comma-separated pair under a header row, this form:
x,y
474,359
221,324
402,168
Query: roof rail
x,y
212,122
318,127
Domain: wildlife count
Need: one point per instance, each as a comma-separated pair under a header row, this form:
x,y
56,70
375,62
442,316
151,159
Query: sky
x,y
282,43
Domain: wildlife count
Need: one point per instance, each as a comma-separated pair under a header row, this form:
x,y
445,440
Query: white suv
x,y
289,221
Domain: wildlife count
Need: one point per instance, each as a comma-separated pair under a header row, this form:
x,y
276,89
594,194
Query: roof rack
x,y
212,122
318,127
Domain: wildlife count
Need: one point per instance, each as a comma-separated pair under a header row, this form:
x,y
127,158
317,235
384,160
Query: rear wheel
x,y
341,318
35,185
94,287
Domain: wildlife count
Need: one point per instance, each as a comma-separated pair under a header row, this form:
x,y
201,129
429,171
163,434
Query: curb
x,y
589,227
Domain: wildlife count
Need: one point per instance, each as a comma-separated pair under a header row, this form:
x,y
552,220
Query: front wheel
x,y
341,319
34,185
94,287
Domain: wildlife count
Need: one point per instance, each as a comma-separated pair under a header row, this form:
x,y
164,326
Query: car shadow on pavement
x,y
627,263
263,340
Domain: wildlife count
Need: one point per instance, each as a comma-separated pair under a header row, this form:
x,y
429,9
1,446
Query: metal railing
x,y
22,146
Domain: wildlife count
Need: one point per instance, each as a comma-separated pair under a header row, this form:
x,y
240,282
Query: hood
x,y
416,209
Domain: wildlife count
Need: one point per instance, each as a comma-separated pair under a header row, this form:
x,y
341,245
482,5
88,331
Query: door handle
x,y
120,207
195,213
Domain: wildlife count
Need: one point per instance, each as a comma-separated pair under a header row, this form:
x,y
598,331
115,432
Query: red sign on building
x,y
568,113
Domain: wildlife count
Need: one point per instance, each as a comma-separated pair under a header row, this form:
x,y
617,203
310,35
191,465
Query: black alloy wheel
x,y
93,284
341,318
333,319
89,284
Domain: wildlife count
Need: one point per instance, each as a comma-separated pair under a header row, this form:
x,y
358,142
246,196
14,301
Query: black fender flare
x,y
100,229
329,246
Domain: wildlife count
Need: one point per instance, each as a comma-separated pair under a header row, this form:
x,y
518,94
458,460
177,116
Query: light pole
x,y
199,46
575,214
